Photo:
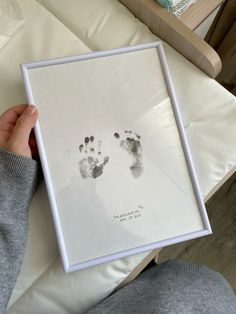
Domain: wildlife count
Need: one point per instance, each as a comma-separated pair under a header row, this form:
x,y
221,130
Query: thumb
x,y
23,127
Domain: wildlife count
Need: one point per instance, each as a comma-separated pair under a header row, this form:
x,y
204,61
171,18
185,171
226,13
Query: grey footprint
x,y
92,162
131,143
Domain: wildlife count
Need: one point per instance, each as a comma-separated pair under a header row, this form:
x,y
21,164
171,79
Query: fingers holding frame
x,y
11,115
16,125
24,125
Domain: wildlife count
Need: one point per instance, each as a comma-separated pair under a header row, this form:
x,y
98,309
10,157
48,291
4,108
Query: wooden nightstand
x,y
178,32
198,12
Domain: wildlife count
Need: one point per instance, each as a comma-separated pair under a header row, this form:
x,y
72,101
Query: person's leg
x,y
172,287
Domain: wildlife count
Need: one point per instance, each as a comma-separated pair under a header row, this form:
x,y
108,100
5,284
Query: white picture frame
x,y
34,85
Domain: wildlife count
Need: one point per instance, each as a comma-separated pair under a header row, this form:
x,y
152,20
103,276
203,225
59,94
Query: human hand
x,y
16,130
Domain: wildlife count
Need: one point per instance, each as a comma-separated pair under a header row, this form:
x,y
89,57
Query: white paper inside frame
x,y
117,166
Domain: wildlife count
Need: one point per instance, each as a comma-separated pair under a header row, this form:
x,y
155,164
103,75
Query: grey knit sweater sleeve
x,y
18,177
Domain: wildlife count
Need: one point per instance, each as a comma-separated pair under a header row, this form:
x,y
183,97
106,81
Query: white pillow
x,y
11,20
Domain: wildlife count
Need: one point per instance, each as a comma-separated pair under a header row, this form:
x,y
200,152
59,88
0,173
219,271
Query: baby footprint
x,y
92,162
132,145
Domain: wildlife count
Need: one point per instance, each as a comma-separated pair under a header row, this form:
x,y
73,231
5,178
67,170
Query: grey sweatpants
x,y
170,288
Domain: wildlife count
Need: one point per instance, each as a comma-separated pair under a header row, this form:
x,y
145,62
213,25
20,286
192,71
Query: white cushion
x,y
208,110
11,20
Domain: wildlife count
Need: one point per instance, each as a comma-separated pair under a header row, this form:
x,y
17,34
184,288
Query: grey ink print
x,y
92,163
132,145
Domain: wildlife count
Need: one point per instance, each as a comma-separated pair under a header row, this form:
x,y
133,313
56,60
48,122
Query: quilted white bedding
x,y
59,28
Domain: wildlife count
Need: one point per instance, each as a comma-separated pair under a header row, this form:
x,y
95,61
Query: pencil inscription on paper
x,y
128,216
132,145
92,163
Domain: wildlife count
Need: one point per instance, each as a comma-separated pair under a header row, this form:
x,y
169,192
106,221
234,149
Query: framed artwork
x,y
115,158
